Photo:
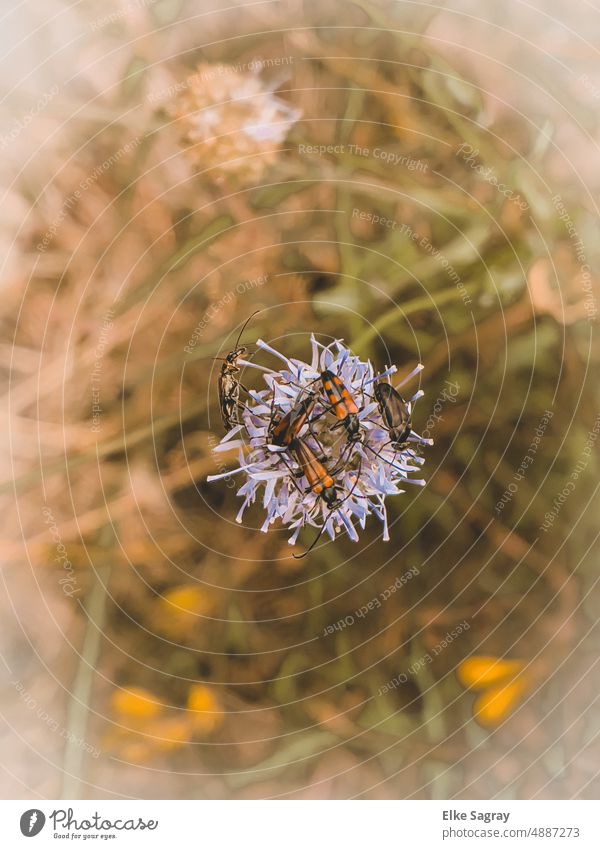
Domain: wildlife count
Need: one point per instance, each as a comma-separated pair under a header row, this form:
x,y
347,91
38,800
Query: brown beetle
x,y
229,385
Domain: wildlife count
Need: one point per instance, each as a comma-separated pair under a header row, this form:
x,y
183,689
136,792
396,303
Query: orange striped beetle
x,y
319,479
320,482
284,431
342,404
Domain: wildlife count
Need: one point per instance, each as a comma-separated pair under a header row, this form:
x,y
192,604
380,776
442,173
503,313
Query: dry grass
x,y
211,659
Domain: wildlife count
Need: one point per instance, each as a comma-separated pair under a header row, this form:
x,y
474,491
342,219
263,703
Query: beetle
x,y
319,479
229,385
342,403
287,428
396,413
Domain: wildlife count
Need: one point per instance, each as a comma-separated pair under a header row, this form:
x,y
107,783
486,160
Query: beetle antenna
x,y
244,325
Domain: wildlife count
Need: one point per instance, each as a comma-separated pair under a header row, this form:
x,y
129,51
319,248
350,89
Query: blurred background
x,y
420,180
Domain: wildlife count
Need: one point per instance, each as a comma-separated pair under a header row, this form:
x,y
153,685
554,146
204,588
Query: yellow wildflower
x,y
502,684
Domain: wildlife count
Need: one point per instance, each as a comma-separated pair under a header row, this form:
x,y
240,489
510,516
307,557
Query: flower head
x,y
232,121
358,473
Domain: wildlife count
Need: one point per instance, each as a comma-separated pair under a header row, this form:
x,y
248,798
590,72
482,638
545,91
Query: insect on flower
x,y
282,432
229,385
320,481
289,459
317,476
346,410
342,404
396,413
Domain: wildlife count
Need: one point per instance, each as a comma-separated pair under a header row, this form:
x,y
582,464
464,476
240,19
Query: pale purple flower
x,y
365,472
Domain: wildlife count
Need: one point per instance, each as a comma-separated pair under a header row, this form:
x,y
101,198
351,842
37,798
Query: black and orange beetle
x,y
321,483
282,432
319,480
342,404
